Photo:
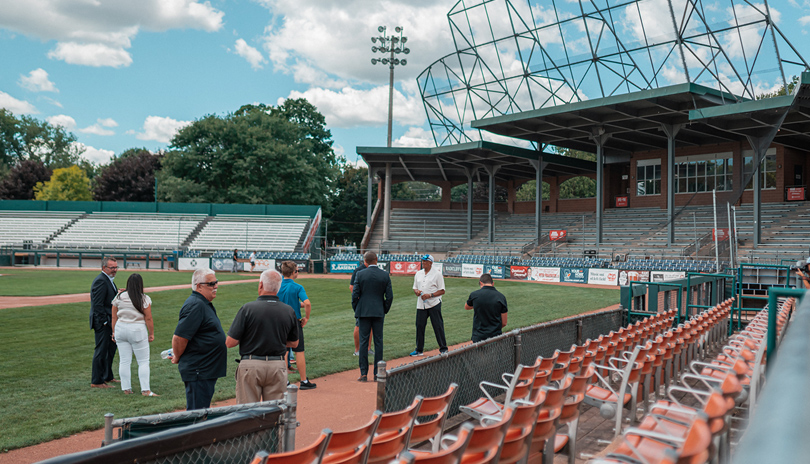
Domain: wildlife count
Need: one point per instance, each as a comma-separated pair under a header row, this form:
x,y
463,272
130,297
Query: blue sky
x,y
121,74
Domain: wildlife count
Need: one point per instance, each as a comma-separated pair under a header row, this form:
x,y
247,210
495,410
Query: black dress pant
x,y
436,320
367,325
103,354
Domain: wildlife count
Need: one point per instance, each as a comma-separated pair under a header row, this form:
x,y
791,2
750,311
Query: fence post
x,y
579,331
289,419
518,349
382,375
108,429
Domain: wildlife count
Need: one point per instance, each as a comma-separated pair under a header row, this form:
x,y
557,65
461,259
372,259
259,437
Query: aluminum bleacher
x,y
270,233
16,227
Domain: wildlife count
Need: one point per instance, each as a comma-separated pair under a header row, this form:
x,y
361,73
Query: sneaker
x,y
307,385
416,353
356,353
371,352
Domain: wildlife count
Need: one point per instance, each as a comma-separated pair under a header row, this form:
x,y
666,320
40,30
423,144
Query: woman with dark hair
x,y
133,329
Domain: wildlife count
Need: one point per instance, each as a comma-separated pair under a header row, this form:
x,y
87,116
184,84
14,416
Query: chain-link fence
x,y
487,360
234,438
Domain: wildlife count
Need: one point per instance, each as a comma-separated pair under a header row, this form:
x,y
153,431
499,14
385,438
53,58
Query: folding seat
x,y
612,396
393,433
517,386
436,407
569,416
453,454
312,454
542,445
353,446
487,440
519,436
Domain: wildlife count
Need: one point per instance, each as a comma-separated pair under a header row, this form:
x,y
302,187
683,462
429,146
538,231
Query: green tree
x,y
26,138
130,177
791,86
20,181
480,193
66,184
347,222
258,154
527,192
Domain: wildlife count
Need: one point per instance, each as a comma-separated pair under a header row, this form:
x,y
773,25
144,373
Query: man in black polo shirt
x,y
263,329
198,344
489,307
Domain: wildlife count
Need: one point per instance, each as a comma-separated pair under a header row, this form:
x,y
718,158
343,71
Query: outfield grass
x,y
40,282
46,351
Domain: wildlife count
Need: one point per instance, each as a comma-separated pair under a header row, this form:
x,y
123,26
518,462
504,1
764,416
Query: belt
x,y
263,358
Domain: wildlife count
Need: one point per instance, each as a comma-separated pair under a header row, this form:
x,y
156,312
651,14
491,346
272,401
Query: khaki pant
x,y
258,380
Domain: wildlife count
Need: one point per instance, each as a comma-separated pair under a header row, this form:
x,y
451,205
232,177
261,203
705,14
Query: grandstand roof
x,y
633,121
451,163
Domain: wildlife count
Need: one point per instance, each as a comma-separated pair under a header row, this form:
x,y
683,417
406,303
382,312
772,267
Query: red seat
x,y
312,454
431,429
353,446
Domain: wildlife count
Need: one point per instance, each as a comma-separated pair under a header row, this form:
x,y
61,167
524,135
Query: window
x,y
648,177
703,173
767,170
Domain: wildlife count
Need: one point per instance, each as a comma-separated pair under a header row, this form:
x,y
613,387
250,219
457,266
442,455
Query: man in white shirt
x,y
428,285
252,260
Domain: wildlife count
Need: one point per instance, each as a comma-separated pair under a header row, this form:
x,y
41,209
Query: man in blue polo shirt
x,y
198,344
294,295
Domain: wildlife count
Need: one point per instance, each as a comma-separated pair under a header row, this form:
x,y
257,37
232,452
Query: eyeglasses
x,y
210,284
112,268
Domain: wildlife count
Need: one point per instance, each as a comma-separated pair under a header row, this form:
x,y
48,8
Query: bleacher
x,y
384,257
425,230
127,231
277,255
269,233
685,265
17,227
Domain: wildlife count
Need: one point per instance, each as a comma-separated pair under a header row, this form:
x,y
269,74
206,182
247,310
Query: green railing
x,y
34,257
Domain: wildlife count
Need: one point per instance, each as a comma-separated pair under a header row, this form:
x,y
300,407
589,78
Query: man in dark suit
x,y
102,293
371,300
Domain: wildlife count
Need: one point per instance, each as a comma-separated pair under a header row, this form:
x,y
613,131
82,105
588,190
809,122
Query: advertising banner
x,y
300,264
544,274
721,234
262,265
603,276
405,267
223,264
664,276
557,235
621,202
627,276
519,272
190,264
472,270
342,267
438,267
384,265
451,269
494,270
795,194
578,275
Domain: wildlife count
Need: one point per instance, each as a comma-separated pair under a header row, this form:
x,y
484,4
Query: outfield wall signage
x,y
190,264
603,276
342,267
519,272
627,276
494,270
451,269
557,235
472,270
438,267
405,267
544,274
664,276
577,275
226,264
262,265
384,265
301,265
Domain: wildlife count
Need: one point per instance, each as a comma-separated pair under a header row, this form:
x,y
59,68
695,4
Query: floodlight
x,y
403,62
384,61
373,40
398,29
374,61
373,49
381,29
406,50
404,39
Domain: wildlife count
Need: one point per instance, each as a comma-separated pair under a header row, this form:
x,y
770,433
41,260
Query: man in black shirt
x,y
263,329
489,307
359,268
198,344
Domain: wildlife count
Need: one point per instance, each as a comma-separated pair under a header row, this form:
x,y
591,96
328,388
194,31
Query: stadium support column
x,y
368,197
469,173
671,131
491,170
538,164
387,199
599,138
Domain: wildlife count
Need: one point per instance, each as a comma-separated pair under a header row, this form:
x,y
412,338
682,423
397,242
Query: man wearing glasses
x,y
198,344
102,293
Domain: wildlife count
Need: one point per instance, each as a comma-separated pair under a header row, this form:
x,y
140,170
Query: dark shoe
x,y
363,378
307,385
442,351
100,385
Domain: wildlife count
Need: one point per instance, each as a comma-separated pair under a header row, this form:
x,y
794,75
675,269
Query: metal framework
x,y
514,56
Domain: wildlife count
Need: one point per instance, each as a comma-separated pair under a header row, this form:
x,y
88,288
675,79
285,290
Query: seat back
x,y
312,454
519,436
352,446
450,455
394,422
437,406
487,440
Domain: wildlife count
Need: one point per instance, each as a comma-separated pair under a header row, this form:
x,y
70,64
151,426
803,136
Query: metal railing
x,y
487,360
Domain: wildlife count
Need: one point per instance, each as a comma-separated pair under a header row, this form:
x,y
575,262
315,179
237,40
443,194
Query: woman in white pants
x,y
133,329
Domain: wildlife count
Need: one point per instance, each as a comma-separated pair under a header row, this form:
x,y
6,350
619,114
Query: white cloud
x,y
96,129
351,107
16,106
160,129
252,55
415,137
94,155
804,20
52,101
98,33
37,81
107,122
62,120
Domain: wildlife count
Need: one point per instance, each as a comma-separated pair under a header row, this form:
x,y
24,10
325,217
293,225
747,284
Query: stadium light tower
x,y
393,45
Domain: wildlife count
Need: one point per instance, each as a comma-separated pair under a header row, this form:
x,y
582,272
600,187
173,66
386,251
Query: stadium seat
x,y
519,386
437,408
453,454
353,446
312,454
394,433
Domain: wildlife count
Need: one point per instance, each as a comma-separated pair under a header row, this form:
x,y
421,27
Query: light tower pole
x,y
392,45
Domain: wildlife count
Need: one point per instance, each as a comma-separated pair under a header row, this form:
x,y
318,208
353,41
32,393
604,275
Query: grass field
x,y
46,351
36,282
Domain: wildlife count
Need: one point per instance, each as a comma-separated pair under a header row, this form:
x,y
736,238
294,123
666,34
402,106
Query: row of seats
x,y
384,257
279,255
671,265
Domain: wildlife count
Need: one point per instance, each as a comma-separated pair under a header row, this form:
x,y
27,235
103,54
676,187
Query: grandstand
x,y
225,232
19,228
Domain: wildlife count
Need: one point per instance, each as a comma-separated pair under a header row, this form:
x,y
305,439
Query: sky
x,y
121,74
